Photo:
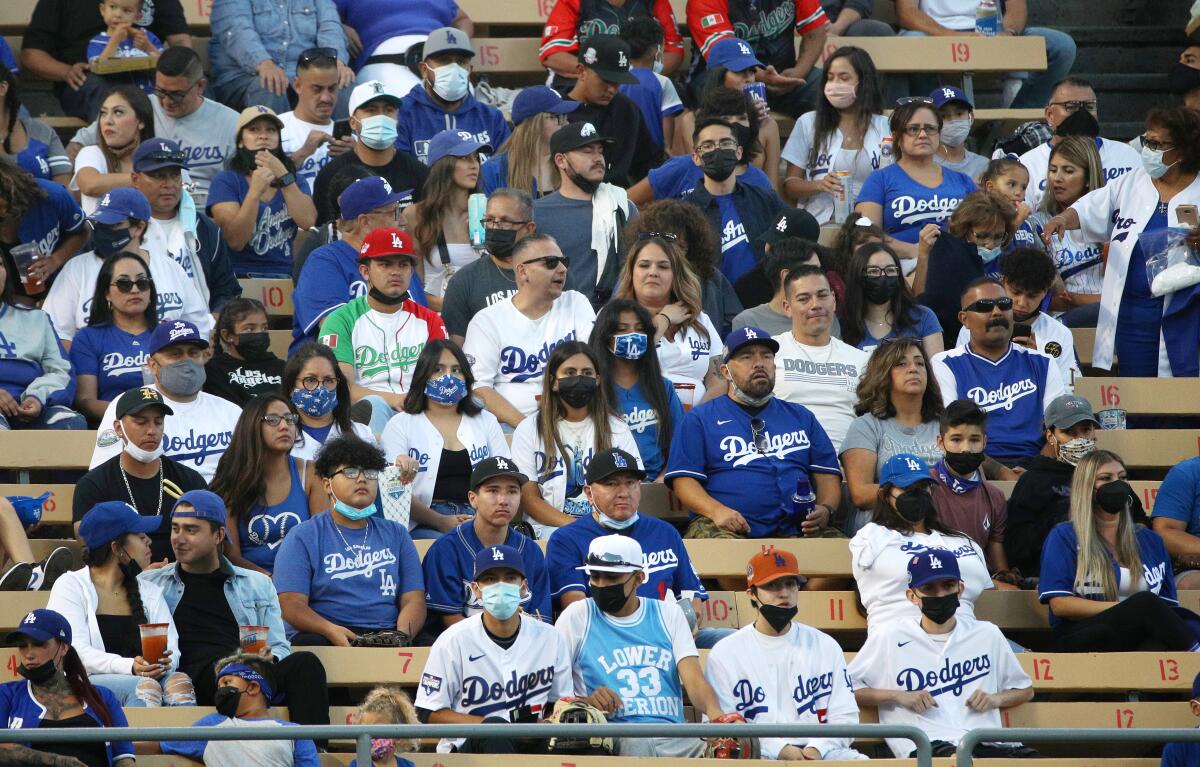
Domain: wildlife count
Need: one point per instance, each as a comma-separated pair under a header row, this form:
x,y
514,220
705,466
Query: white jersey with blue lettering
x,y
637,656
467,672
799,677
950,667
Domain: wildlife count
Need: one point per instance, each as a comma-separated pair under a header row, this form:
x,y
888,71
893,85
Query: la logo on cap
x,y
621,60
587,130
934,562
619,461
947,93
397,242
912,465
502,464
105,201
497,555
589,56
745,49
377,87
751,334
782,225
164,147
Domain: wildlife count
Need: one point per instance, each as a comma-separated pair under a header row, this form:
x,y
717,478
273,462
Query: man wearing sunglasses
x,y
1011,383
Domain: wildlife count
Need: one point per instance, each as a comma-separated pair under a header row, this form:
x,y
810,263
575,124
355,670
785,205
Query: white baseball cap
x,y
369,91
614,554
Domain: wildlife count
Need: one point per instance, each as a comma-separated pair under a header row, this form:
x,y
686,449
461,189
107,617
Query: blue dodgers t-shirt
x,y
737,257
642,421
449,568
647,94
680,175
51,219
669,570
351,577
715,446
115,357
1060,554
907,205
34,159
269,251
923,322
1178,497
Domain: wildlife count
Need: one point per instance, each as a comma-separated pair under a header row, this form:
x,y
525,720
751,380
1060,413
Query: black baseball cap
x,y
575,135
607,56
499,466
612,461
792,222
136,400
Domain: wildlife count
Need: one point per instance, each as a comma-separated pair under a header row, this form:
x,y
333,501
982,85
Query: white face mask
x,y
955,132
450,81
840,95
138,454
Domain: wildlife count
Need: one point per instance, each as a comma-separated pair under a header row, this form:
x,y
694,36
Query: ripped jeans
x,y
174,689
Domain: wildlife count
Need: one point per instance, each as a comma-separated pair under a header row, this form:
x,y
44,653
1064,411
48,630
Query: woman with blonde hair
x,y
387,705
525,162
1108,580
658,277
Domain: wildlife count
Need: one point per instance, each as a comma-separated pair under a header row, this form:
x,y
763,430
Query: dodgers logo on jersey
x,y
909,210
117,364
739,451
952,677
700,347
748,695
525,365
808,694
514,692
196,447
1004,397
639,419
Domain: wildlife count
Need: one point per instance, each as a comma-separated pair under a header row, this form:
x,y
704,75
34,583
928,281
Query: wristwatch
x,y
285,180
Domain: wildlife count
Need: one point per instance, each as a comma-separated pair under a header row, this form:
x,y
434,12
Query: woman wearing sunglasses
x,y
267,491
110,351
915,190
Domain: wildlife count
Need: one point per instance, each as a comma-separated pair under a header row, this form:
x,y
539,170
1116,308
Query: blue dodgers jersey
x,y
51,219
637,662
642,421
449,568
115,357
680,175
714,445
737,257
669,570
908,206
269,250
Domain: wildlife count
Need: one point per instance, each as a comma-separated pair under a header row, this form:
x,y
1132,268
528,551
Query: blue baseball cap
x,y
932,565
173,332
498,556
29,508
538,99
454,143
746,336
108,521
158,153
41,625
903,470
121,204
205,505
734,54
367,194
944,94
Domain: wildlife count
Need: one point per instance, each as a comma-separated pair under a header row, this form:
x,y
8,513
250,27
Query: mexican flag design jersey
x,y
383,348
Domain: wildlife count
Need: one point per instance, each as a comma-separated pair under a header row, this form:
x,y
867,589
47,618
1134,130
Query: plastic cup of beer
x,y
253,638
687,393
23,256
154,641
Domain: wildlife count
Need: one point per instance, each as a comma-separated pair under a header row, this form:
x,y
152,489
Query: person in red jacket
x,y
573,20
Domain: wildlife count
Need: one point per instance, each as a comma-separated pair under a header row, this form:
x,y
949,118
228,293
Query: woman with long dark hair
x,y
574,420
879,304
318,388
260,203
267,490
41,212
844,134
439,437
105,603
30,143
126,120
243,366
439,221
633,380
108,354
56,694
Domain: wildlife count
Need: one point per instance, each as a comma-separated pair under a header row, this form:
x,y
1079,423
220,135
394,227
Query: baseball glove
x,y
576,711
729,747
383,638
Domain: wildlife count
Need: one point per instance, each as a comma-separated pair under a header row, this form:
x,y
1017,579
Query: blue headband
x,y
243,671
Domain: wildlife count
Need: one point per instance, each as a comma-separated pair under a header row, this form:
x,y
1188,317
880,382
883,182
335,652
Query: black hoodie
x,y
1039,501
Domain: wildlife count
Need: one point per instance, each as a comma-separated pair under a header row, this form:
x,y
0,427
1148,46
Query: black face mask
x,y
226,699
586,185
964,463
915,506
1182,78
778,617
387,300
1079,123
253,346
1027,317
106,241
247,156
39,675
1115,496
500,242
577,391
880,290
610,599
939,609
744,139
719,163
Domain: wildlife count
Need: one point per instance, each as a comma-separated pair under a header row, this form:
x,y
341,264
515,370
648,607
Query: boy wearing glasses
x,y
1009,382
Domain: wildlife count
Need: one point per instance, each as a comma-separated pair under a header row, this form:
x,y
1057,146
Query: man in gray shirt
x,y
204,129
507,220
586,216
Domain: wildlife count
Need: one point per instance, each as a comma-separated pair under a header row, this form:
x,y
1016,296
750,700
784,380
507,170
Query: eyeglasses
x,y
913,100
503,223
291,419
174,96
353,472
310,383
551,262
988,305
316,55
881,271
991,239
668,236
915,130
126,285
1075,106
708,146
1154,145
758,434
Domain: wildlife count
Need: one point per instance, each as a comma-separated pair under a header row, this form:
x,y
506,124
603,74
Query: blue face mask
x,y
446,389
989,254
501,600
612,524
378,131
630,346
318,402
348,511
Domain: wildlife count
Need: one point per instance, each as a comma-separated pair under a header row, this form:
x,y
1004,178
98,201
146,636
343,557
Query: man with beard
x,y
735,460
1014,385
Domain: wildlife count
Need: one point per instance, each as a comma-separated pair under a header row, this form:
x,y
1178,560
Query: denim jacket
x,y
251,597
244,32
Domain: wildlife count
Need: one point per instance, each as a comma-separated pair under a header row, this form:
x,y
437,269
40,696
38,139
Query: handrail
x,y
973,738
362,734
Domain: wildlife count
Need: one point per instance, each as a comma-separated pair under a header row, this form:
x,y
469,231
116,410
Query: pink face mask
x,y
381,747
840,95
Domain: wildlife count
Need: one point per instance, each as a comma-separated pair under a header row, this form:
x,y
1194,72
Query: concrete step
x,y
1059,13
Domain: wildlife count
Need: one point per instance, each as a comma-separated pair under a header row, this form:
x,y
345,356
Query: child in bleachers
x,y
124,39
387,705
654,94
1009,178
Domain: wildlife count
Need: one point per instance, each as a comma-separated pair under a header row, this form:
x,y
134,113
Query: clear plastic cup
x,y
687,393
24,255
252,638
154,641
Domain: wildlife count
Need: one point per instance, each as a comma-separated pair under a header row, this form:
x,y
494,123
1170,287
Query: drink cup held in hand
x,y
252,638
395,497
804,501
757,91
1112,418
154,641
23,256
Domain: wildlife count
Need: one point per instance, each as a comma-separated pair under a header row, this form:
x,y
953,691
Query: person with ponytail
x,y
387,705
1108,579
55,693
104,603
243,365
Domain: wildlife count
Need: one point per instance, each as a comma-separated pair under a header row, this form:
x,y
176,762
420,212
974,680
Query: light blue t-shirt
x,y
269,251
907,205
642,421
737,257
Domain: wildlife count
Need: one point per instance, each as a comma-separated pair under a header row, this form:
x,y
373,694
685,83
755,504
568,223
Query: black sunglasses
x,y
988,305
175,158
316,55
668,236
551,262
126,285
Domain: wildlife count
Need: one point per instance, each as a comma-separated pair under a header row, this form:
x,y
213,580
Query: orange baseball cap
x,y
387,241
770,564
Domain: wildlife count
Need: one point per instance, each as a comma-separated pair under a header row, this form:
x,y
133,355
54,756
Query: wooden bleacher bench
x,y
1142,396
34,449
1085,340
1151,448
280,339
276,295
